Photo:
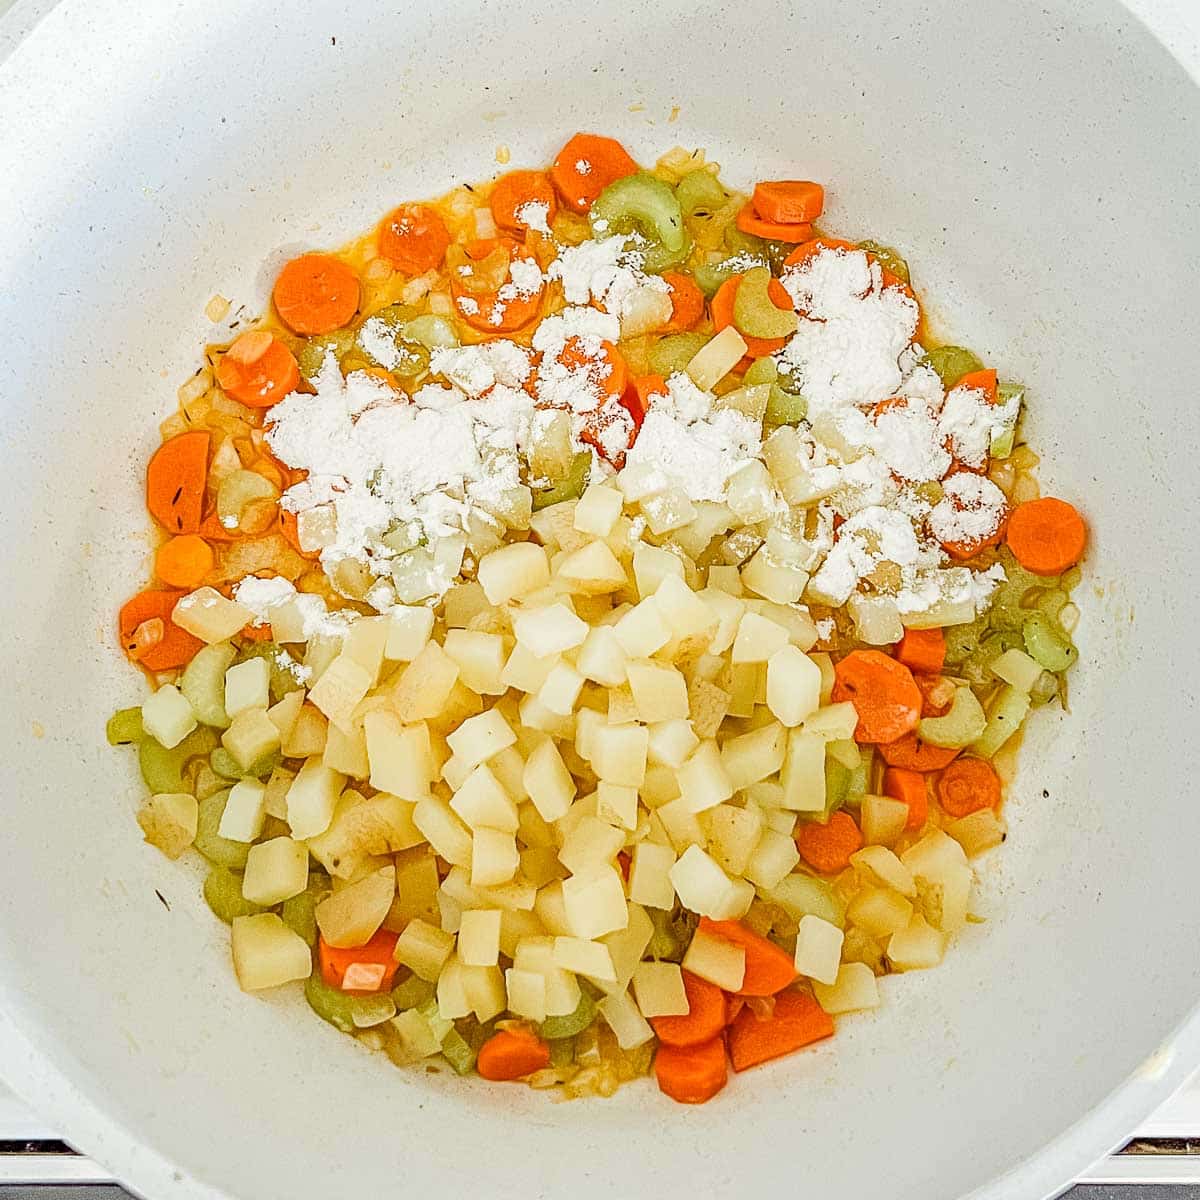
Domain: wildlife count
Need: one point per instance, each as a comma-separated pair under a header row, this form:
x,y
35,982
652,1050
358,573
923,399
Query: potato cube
x,y
883,819
703,782
651,566
833,722
879,911
708,705
641,630
352,915
560,692
881,867
266,953
754,756
704,887
598,510
733,835
206,614
818,949
716,960
167,716
583,957
513,571
417,886
425,685
245,811
671,742
483,803
793,685
728,611
650,876
401,760
169,821
618,754
750,494
525,671
549,630
494,857
767,576
479,937
339,690
452,1000
424,949
685,611
526,993
366,641
681,824
479,738
917,947
935,857
624,1018
276,870
617,804
854,989
592,570
758,638
628,946
659,991
312,798
803,774
977,831
346,751
285,714
548,782
639,480
247,685
443,830
591,845
364,826
480,658
773,859
602,658
716,358
621,708
307,737
667,510
594,904
536,716
659,691
409,629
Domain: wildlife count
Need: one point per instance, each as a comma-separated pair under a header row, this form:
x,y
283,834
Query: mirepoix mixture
x,y
592,625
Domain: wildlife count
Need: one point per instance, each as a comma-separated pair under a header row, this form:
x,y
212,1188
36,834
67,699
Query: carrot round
x,y
748,221
512,1054
174,648
499,309
910,788
413,238
636,398
692,1074
1046,536
922,650
176,477
827,848
687,302
607,370
883,692
810,249
788,201
704,1019
798,1020
184,561
517,189
258,370
768,968
721,307
586,165
982,381
316,293
968,785
378,953
915,755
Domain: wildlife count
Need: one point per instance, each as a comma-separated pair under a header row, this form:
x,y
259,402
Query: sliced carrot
x,y
883,692
173,648
184,561
586,165
911,788
362,969
512,1054
922,650
721,307
704,1019
258,370
495,304
827,848
175,481
937,694
983,381
517,189
257,633
810,249
637,396
692,1074
607,370
211,530
687,302
316,293
768,968
968,785
788,201
748,221
915,755
413,238
798,1020
1046,536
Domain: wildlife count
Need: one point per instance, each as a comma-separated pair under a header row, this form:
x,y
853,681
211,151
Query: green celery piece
x,y
562,1052
963,640
673,352
162,769
761,370
413,992
299,912
1008,711
785,408
664,945
856,785
432,332
962,724
312,353
225,764
1046,644
124,727
888,258
330,1004
699,191
799,894
710,276
952,363
837,784
218,850
458,1052
755,313
570,487
223,894
739,243
203,683
643,204
553,1028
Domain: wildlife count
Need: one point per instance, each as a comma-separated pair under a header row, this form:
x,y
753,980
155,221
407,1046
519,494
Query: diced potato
x,y
704,888
671,742
855,989
651,566
513,571
366,641
977,832
275,793
681,824
621,708
753,756
660,787
494,857
659,991
401,760
624,1018
536,716
509,767
708,706
650,876
793,685
601,658
408,632
276,870
480,658
560,692
642,630
452,1000
548,782
251,737
525,671
598,510
713,361
617,804
711,520
781,582
308,734
483,803
169,821
583,957
883,819
757,639
479,738
751,495
594,904
876,619
364,826
479,937
773,859
526,993
818,949
745,681
167,716
285,714
425,685
206,614
592,570
667,510
916,947
245,811
312,799
266,953
247,685
728,610
321,650
803,774
717,960
443,830
881,867
424,949
590,846
733,835
943,902
346,751
834,722
339,690
618,754
703,782
1015,667
462,603
639,480
879,911
416,887
659,691
351,916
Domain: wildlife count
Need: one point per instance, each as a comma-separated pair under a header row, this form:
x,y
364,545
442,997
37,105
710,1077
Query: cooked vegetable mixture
x,y
592,627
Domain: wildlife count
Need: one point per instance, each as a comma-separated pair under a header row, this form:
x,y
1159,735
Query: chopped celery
x,y
223,894
203,683
413,992
1008,712
761,370
960,726
962,641
755,313
645,205
800,894
1002,441
124,727
744,243
1045,688
432,332
860,777
699,191
372,1010
570,487
952,363
218,850
162,769
785,408
225,764
330,1004
710,276
665,944
312,353
1051,603
563,1027
673,352
888,258
837,784
299,913
458,1052
1047,644
562,1052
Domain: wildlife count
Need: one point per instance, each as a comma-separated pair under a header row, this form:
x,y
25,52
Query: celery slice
x,y
1047,644
218,850
761,370
860,777
432,332
124,727
225,764
562,1053
837,784
413,992
645,205
313,352
299,912
952,363
785,408
570,487
699,191
162,769
223,894
203,683
1008,711
673,352
888,258
755,313
458,1052
965,722
330,1004
553,1028
799,895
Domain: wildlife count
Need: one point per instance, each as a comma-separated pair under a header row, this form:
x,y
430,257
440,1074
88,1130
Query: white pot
x,y
1038,164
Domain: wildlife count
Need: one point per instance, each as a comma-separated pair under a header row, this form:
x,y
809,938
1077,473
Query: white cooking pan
x,y
1037,160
